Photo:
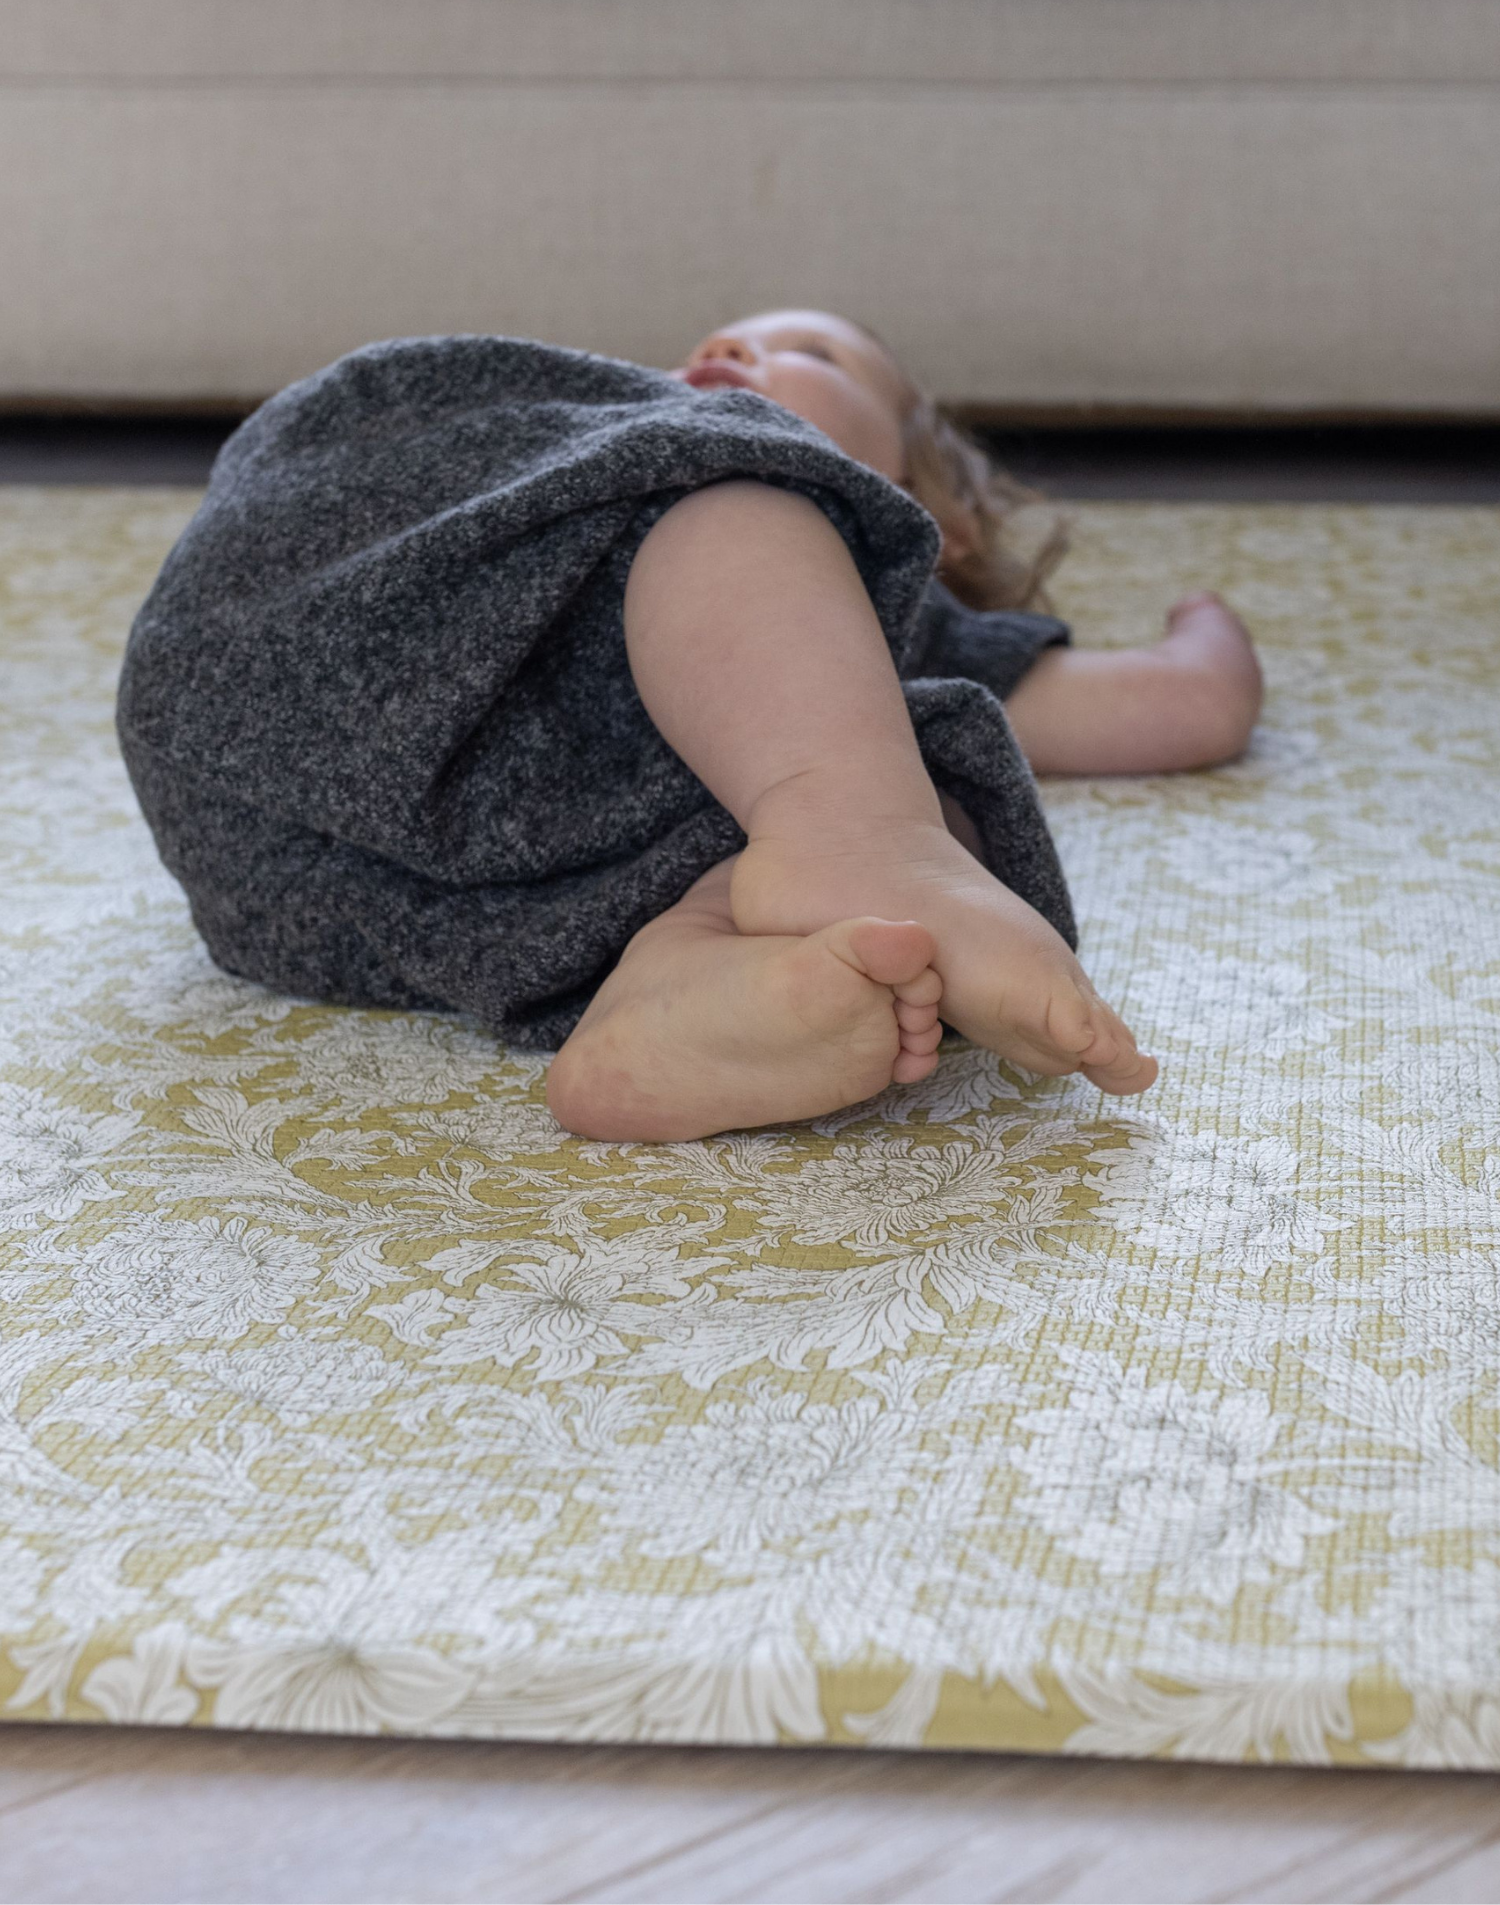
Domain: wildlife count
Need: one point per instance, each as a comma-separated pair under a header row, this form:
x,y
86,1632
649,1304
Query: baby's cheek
x,y
855,419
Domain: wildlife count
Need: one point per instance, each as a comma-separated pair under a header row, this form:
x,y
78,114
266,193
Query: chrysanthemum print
x,y
340,1390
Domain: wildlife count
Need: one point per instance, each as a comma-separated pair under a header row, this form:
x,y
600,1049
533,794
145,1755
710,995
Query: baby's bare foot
x,y
701,1030
1009,981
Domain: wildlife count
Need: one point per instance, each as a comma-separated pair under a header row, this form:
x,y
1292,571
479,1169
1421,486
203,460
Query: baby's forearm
x,y
759,656
1189,701
1076,712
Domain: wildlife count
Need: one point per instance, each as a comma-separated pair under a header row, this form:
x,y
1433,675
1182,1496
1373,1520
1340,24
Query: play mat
x,y
340,1391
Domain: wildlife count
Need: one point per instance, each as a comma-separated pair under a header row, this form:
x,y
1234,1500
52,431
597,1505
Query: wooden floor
x,y
131,1815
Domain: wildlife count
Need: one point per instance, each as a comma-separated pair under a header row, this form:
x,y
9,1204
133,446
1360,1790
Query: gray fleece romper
x,y
377,706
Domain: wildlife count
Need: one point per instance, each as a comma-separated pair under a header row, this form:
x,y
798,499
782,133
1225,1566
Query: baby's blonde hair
x,y
1003,539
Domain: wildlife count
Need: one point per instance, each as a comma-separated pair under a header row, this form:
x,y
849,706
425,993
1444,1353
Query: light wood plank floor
x,y
130,1816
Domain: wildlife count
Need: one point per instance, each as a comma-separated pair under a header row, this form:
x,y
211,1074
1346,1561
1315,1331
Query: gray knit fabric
x,y
995,648
377,706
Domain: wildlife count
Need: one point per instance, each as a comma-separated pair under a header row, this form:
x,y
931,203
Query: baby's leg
x,y
700,1028
1190,701
759,657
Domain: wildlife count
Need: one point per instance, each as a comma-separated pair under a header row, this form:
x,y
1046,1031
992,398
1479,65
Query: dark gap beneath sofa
x,y
1306,462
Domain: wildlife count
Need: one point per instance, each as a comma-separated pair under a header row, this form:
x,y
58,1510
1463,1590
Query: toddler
x,y
650,715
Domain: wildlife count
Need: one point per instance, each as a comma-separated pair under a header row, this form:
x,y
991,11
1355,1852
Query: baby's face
x,y
820,366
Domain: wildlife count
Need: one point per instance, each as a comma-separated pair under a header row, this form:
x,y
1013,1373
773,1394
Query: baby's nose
x,y
734,348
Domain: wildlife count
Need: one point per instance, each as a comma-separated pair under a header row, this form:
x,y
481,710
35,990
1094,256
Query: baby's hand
x,y
1190,700
1209,641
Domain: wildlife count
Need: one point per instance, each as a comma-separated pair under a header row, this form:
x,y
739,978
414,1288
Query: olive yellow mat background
x,y
340,1391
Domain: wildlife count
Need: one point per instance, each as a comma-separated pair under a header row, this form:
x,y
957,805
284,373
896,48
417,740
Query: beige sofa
x,y
1180,205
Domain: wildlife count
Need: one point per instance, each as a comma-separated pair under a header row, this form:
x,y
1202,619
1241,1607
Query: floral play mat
x,y
340,1391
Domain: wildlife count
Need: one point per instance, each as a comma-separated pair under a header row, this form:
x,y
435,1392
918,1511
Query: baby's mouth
x,y
718,370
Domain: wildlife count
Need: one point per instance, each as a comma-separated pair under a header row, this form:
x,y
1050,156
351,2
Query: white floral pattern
x,y
340,1390
51,1157
206,1277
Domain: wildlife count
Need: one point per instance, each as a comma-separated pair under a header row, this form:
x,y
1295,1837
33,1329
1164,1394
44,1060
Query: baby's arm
x,y
1189,701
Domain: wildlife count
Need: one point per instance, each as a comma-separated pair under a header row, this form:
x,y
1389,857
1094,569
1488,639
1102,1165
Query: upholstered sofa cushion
x,y
974,41
1190,204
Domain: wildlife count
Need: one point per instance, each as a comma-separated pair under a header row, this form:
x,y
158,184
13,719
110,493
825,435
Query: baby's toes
x,y
916,1005
915,1018
1114,1062
1080,1033
1070,1021
921,1029
921,993
1131,1072
922,1042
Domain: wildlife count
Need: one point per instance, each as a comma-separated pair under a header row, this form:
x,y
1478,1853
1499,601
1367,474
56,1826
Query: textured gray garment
x,y
995,647
378,710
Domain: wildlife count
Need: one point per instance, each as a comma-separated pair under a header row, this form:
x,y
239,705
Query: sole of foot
x,y
1010,982
729,1031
